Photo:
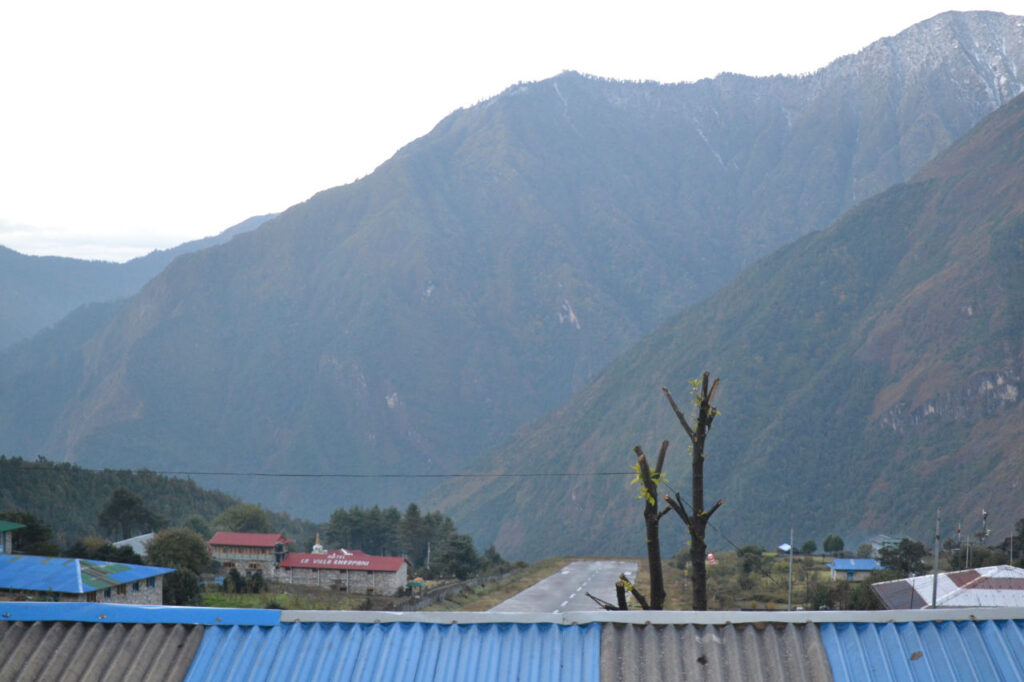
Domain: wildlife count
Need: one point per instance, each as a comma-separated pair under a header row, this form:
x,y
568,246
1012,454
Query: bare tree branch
x,y
679,413
661,457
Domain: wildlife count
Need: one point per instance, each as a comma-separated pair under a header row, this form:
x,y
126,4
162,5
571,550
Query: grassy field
x,y
279,597
731,586
483,598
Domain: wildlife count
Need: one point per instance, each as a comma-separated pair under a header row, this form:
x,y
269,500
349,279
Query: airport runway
x,y
566,590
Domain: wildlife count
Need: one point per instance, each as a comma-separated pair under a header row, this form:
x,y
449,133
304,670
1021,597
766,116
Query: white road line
x,y
564,603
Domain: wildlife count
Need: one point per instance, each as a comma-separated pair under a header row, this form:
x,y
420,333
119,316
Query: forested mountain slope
x,y
871,373
412,320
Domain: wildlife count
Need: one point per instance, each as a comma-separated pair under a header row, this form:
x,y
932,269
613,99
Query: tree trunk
x,y
651,518
697,520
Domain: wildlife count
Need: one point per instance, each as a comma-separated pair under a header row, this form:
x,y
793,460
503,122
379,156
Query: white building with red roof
x,y
249,552
342,569
1001,586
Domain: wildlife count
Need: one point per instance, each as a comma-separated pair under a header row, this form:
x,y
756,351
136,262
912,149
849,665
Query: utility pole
x,y
935,560
790,603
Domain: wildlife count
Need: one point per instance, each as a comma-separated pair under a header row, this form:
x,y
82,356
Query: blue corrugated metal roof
x,y
61,574
400,651
135,613
855,565
951,650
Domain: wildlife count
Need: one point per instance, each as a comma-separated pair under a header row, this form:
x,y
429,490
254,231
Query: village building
x,y
988,586
137,543
342,569
42,578
248,552
7,529
853,570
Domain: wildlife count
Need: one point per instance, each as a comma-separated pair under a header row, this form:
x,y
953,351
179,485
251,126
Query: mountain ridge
x,y
413,320
798,341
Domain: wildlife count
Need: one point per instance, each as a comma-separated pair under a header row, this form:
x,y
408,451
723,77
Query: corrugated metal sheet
x,y
85,652
136,613
403,652
960,650
988,586
729,652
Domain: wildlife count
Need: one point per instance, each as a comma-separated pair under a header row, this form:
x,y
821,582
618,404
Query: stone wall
x,y
378,582
152,594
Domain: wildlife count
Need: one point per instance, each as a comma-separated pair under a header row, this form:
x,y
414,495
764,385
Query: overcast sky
x,y
129,126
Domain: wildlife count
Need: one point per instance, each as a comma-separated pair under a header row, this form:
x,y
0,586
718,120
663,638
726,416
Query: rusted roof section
x,y
92,652
768,652
977,587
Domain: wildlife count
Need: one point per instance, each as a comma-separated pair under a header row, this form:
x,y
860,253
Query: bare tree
x,y
649,491
697,519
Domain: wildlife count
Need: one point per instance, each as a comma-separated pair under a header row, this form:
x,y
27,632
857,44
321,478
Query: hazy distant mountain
x,y
412,320
871,373
37,291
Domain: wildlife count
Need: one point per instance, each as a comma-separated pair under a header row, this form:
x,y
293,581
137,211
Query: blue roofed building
x,y
853,570
44,578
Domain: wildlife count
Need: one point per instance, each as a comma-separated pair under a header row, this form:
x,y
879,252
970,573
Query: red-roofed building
x,y
248,552
349,570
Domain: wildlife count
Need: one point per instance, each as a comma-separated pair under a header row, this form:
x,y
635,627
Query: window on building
x,y
150,582
122,589
90,596
135,586
106,593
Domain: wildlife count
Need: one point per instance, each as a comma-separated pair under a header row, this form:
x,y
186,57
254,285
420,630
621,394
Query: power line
x,y
715,528
260,474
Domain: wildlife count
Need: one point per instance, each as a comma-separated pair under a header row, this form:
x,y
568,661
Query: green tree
x,y
492,563
412,535
809,547
833,545
752,560
186,552
865,551
458,558
35,538
125,515
181,588
179,548
198,524
904,558
243,518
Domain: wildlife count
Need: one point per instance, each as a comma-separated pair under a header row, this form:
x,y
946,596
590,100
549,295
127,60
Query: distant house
x,y
248,552
853,570
137,543
82,580
348,570
989,586
7,529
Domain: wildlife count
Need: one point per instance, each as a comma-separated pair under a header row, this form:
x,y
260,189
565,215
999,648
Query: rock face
x,y
412,320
